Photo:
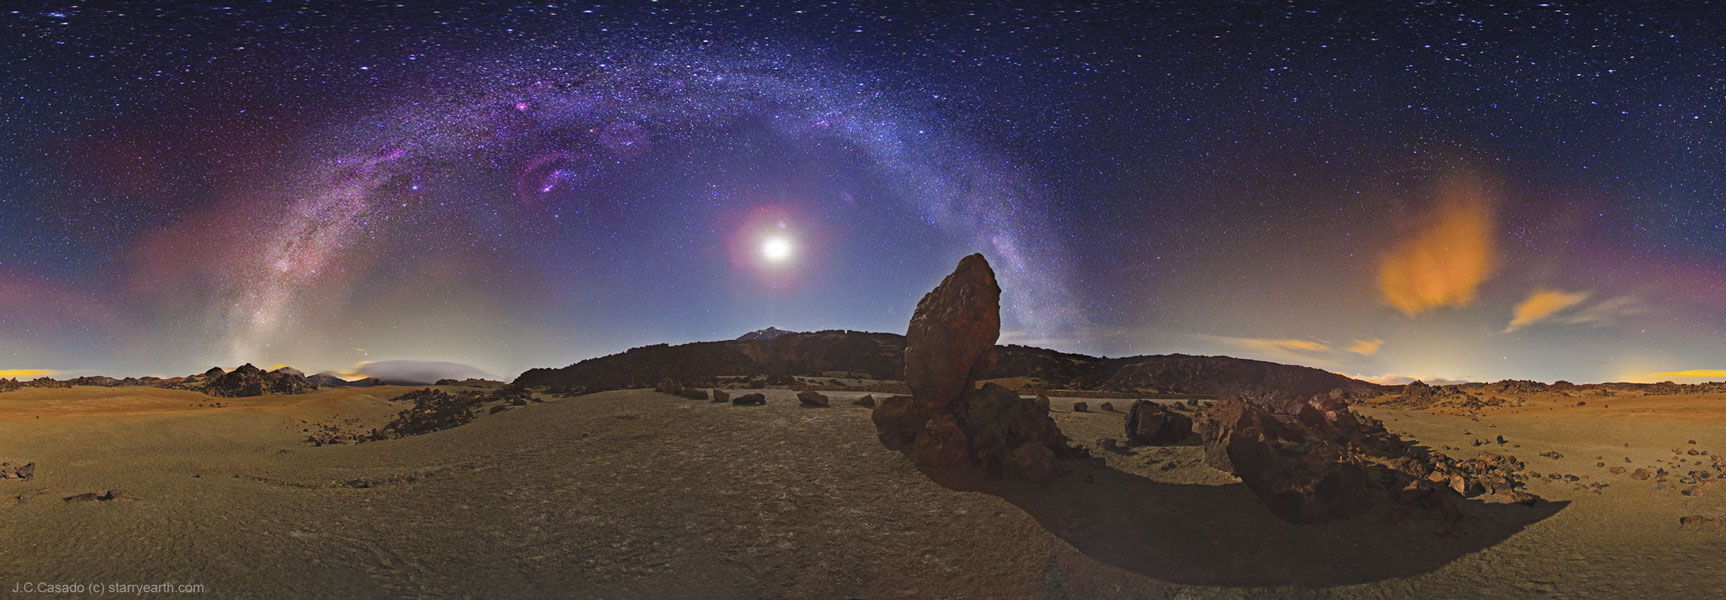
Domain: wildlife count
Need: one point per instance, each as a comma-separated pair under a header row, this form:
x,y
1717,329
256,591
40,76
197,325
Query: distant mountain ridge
x,y
882,356
763,334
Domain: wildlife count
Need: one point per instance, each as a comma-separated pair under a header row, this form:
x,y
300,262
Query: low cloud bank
x,y
415,372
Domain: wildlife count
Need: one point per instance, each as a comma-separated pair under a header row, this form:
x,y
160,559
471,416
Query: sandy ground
x,y
633,494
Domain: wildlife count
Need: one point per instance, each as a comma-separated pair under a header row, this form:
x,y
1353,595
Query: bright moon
x,y
776,249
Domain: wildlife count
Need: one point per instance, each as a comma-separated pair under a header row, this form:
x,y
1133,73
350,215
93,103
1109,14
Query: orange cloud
x,y
1445,261
25,373
1540,305
1366,347
1712,374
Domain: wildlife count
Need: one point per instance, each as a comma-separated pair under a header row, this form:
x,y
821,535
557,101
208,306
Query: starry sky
x,y
1441,191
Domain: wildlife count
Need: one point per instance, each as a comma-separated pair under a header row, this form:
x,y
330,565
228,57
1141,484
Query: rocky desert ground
x,y
633,494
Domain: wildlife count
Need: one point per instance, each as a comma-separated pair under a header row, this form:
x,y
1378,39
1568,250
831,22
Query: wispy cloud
x,y
1395,379
1540,305
1607,312
1445,261
416,372
1272,343
1572,308
1280,349
1366,347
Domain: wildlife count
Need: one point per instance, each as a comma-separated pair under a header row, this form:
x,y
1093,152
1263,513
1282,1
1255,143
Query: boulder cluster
x,y
1313,460
247,381
948,423
431,410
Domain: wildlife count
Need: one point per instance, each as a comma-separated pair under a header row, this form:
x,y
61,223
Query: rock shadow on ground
x,y
1223,536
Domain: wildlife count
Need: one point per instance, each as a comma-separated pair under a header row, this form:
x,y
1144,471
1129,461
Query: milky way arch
x,y
552,127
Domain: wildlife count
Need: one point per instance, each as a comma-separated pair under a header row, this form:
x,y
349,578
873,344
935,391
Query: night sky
x,y
1437,191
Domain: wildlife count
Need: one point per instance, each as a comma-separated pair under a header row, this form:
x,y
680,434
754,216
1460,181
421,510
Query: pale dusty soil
x,y
638,495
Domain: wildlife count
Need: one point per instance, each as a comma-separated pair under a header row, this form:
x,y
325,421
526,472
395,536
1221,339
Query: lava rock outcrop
x,y
949,424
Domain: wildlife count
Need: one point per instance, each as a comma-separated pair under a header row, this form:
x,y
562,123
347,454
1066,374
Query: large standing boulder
x,y
951,340
947,423
1154,424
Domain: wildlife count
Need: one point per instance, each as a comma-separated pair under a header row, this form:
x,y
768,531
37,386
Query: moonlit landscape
x,y
669,299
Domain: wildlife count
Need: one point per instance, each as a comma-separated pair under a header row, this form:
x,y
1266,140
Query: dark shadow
x,y
1223,535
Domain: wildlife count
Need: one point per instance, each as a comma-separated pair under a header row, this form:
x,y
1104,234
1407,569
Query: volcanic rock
x,y
866,401
947,423
1151,423
720,396
898,421
433,410
1301,475
951,340
941,443
1081,407
756,399
1043,401
812,398
247,381
108,496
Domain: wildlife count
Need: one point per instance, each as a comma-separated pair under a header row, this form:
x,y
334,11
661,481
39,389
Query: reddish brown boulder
x,y
941,444
1152,423
1031,461
898,421
951,340
998,422
867,401
947,423
720,396
812,398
